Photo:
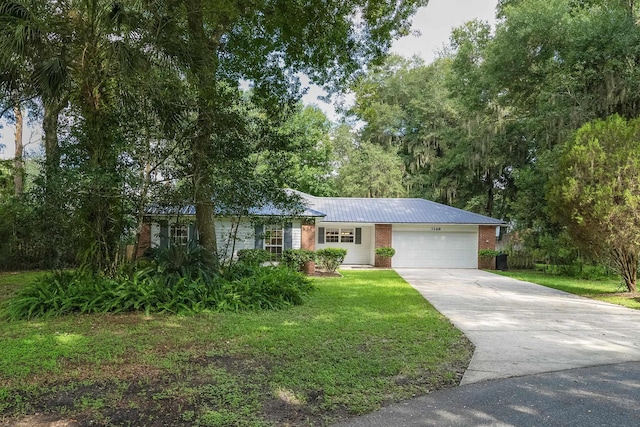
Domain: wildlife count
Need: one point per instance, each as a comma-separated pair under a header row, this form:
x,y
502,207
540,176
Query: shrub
x,y
295,258
149,290
268,288
488,253
385,252
254,256
184,261
330,259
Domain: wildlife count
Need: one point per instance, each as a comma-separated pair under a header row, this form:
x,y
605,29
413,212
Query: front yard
x,y
361,341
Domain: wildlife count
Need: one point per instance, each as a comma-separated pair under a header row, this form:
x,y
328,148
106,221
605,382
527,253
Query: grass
x,y
359,342
607,290
11,282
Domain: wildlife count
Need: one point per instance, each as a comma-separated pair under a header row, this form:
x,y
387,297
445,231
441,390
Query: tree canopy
x,y
188,101
595,192
140,94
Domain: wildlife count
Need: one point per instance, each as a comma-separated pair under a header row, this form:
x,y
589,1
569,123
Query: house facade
x,y
424,234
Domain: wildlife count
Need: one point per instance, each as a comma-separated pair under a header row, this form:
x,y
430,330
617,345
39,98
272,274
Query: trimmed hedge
x,y
330,259
295,258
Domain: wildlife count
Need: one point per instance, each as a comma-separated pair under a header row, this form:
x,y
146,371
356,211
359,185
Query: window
x,y
179,235
346,235
339,235
332,235
273,239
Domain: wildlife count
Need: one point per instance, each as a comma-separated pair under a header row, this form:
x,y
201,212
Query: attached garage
x,y
435,246
424,234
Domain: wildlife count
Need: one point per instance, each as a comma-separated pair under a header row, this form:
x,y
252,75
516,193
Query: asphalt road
x,y
606,395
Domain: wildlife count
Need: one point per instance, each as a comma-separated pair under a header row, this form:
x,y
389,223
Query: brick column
x,y
308,242
144,241
487,240
383,239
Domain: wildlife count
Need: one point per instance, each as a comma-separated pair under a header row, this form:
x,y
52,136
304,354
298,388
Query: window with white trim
x,y
339,235
332,235
347,235
274,239
179,234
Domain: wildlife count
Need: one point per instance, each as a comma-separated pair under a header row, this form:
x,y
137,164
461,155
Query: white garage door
x,y
436,247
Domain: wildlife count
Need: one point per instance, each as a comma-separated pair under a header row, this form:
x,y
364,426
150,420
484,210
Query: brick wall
x,y
487,240
308,241
145,239
383,239
308,237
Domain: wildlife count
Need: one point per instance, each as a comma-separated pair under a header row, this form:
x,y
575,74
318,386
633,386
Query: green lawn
x,y
360,341
609,290
10,282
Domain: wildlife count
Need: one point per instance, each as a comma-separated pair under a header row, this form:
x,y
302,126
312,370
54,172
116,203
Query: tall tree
x,y
34,61
564,63
310,158
18,164
229,41
370,171
595,192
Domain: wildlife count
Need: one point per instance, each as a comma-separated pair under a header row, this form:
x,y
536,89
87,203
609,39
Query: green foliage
x,y
488,253
185,261
595,192
267,288
154,289
580,269
296,258
330,259
310,164
254,257
35,235
370,171
385,252
521,260
223,367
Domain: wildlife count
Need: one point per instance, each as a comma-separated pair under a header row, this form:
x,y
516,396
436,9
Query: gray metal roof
x,y
359,210
268,210
393,211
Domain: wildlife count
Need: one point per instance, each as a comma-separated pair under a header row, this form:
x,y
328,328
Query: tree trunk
x,y
18,177
204,63
50,128
627,264
203,195
489,207
146,182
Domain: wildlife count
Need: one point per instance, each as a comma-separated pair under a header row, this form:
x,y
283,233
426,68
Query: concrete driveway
x,y
520,328
556,359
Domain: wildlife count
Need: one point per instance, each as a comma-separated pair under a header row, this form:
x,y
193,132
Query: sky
x,y
434,23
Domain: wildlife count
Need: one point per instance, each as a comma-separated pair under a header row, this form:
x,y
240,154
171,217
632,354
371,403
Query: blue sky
x,y
434,23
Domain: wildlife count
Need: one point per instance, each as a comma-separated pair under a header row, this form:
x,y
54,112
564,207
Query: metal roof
x,y
268,210
358,210
393,211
